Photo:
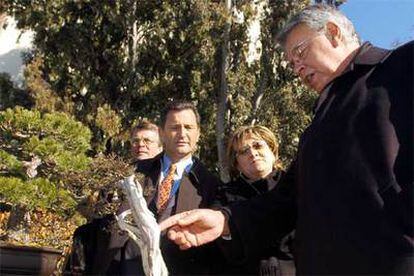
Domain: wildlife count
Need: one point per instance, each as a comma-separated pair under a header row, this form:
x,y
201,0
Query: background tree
x,y
97,67
109,63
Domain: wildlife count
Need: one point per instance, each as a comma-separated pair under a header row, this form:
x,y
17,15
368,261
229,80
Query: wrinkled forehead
x,y
297,35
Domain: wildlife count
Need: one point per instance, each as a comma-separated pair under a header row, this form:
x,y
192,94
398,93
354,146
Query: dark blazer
x,y
110,251
197,190
354,175
276,258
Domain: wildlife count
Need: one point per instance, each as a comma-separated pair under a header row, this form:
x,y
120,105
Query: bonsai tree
x,y
48,183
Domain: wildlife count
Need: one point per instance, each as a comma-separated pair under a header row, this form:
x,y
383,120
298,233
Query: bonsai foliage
x,y
35,149
57,139
47,176
38,193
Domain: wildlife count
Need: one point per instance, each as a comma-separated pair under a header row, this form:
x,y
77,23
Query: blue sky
x,y
382,22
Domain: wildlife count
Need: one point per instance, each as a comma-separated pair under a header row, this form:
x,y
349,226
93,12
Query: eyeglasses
x,y
256,145
146,141
298,52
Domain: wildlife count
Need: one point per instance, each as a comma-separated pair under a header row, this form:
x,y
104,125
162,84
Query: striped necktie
x,y
165,189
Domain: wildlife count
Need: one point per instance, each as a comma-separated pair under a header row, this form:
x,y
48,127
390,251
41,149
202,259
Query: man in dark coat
x,y
354,168
175,181
196,190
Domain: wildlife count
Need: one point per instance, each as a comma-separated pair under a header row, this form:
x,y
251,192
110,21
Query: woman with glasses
x,y
255,170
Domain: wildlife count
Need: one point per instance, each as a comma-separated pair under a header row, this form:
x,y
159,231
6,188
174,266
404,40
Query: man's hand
x,y
196,227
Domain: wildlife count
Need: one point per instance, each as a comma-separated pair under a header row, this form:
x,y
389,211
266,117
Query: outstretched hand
x,y
194,228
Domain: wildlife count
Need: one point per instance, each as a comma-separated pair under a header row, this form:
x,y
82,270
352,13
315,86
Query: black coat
x,y
354,175
276,258
197,189
100,248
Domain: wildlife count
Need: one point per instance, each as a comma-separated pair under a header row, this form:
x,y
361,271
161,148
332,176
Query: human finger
x,y
172,233
190,237
185,246
173,220
191,217
177,236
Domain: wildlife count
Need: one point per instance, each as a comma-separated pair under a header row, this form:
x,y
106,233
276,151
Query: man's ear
x,y
333,33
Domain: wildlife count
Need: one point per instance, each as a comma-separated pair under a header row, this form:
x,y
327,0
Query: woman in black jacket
x,y
255,169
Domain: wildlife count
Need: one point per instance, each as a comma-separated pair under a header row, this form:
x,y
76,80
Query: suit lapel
x,y
188,196
149,187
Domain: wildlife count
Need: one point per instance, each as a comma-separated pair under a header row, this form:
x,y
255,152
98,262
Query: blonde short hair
x,y
238,135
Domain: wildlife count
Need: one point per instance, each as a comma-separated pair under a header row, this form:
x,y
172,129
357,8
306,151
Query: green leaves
x,y
57,140
36,193
9,162
23,120
55,130
108,120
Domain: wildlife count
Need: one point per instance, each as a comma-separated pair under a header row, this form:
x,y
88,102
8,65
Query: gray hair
x,y
316,17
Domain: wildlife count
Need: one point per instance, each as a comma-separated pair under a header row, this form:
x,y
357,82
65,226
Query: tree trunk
x,y
222,97
258,95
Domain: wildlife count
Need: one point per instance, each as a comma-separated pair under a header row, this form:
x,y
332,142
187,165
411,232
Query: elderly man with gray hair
x,y
352,185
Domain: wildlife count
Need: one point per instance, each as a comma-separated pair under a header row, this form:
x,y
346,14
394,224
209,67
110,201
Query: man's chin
x,y
182,148
142,156
183,153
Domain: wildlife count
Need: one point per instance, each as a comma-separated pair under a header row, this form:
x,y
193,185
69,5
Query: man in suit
x,y
354,167
145,141
175,181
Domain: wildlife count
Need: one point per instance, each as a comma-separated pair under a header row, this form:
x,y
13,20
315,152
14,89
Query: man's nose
x,y
182,131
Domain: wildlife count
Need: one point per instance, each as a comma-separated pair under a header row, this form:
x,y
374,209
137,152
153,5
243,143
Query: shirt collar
x,y
367,54
182,165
